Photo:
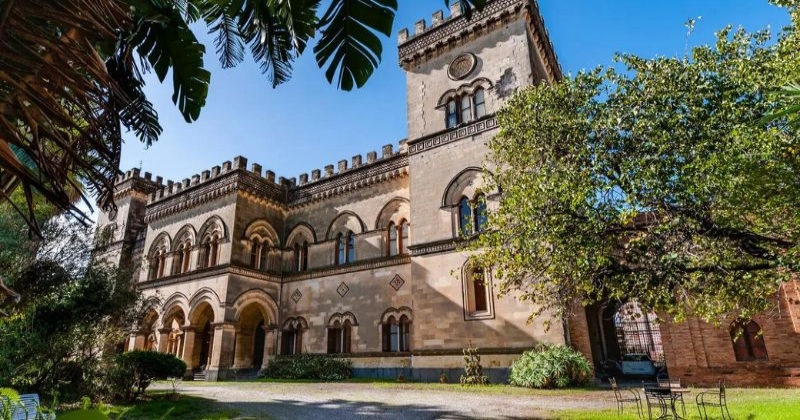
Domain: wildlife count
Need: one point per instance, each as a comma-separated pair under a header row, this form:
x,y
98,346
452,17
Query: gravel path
x,y
345,401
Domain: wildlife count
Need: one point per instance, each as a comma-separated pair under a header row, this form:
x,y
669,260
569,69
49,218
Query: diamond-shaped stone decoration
x,y
397,282
296,295
342,289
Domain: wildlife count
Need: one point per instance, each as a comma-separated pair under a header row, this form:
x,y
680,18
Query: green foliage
x,y
652,180
136,370
550,366
473,371
309,366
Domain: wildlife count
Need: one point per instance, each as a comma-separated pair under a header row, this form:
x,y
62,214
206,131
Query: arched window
x,y
464,216
466,109
292,339
177,260
477,285
748,342
392,240
254,245
480,103
451,119
339,337
263,256
404,229
480,213
205,252
351,247
214,254
395,334
304,257
479,290
159,264
341,250
187,254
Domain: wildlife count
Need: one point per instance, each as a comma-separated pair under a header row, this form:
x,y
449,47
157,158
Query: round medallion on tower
x,y
462,66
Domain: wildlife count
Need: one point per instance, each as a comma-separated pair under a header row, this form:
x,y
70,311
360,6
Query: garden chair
x,y
674,383
27,408
631,396
656,398
713,399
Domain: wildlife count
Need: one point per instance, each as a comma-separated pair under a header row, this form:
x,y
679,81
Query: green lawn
x,y
187,408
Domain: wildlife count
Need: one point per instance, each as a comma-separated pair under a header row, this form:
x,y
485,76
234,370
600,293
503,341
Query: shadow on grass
x,y
343,409
186,408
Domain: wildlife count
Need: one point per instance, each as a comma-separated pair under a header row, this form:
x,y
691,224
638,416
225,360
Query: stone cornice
x,y
435,247
209,272
349,268
381,171
452,134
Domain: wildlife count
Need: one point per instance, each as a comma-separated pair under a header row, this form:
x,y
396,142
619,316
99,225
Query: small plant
x,y
473,372
309,366
442,378
401,378
550,366
135,370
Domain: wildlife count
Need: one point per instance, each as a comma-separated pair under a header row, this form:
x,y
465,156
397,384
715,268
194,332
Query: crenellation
x,y
303,179
195,179
159,180
135,172
128,174
437,17
292,182
205,175
402,36
185,183
148,176
387,151
342,165
315,175
419,27
226,166
455,9
215,171
356,161
328,171
240,162
372,157
270,176
256,169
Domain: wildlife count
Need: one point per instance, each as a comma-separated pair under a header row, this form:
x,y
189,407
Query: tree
x,y
70,74
656,182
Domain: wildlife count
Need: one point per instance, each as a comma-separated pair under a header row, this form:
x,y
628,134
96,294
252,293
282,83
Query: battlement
x,y
159,190
446,33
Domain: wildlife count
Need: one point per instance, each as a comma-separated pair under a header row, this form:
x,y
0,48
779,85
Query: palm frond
x,y
349,46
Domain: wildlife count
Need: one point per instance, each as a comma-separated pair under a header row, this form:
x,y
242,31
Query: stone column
x,y
270,343
163,340
189,337
244,345
132,341
221,351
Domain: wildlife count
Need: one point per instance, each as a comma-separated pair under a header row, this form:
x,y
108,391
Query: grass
x,y
744,404
187,408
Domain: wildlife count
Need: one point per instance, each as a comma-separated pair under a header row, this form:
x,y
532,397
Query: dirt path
x,y
345,401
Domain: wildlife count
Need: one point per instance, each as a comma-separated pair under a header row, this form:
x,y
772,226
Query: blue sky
x,y
307,124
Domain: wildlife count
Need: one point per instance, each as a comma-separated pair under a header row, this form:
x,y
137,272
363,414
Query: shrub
x,y
550,366
473,372
135,370
309,366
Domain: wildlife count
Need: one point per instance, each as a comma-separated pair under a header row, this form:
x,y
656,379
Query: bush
x,y
473,372
550,366
135,370
309,366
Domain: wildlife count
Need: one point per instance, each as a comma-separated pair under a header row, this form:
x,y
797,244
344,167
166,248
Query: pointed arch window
x,y
478,302
464,216
748,342
351,247
466,109
186,250
341,249
393,249
451,118
480,213
263,256
340,337
296,258
254,248
480,103
292,340
395,334
304,257
213,256
405,227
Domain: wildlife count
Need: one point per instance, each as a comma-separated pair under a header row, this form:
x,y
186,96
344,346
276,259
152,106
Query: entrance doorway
x,y
258,345
206,338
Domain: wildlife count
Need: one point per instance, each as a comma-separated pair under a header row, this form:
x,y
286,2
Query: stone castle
x,y
362,260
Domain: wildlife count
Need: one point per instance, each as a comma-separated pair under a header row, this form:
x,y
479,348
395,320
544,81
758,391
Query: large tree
x,y
70,74
653,180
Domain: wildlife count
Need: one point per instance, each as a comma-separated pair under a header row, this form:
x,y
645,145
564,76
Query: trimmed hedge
x,y
135,370
309,366
550,366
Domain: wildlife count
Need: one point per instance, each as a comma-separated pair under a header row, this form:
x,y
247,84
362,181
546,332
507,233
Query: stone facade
x,y
362,258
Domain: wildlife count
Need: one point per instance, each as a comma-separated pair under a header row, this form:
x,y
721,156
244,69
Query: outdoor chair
x,y
656,398
674,383
626,396
713,399
27,408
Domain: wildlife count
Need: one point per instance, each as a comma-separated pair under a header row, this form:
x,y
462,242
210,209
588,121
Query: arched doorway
x,y
147,338
206,338
202,319
174,320
251,337
616,329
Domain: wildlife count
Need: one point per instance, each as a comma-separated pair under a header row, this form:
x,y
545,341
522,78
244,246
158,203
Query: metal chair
x,y
673,383
713,399
656,397
624,397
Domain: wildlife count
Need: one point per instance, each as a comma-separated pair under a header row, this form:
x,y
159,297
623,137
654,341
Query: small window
x,y
748,342
296,258
187,253
464,216
341,250
254,253
392,240
477,293
452,114
351,247
291,341
404,229
263,256
480,103
177,262
339,337
396,334
480,213
304,257
466,109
